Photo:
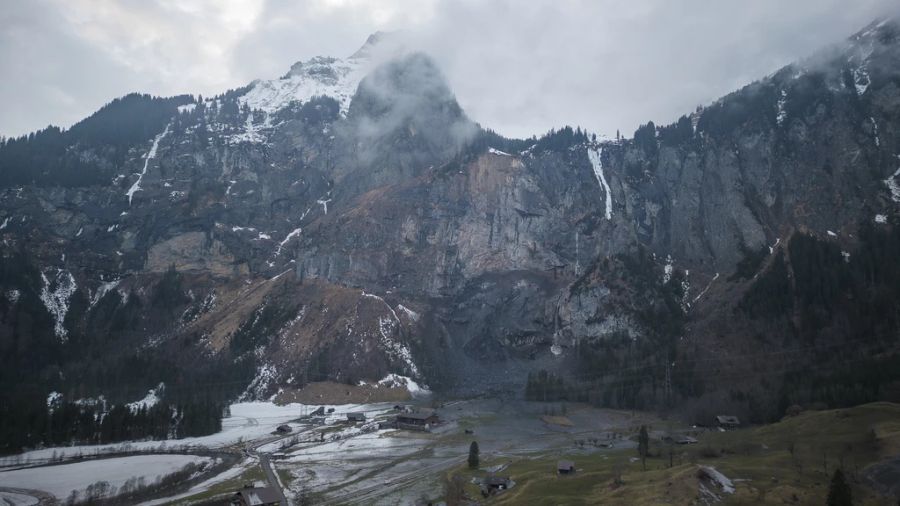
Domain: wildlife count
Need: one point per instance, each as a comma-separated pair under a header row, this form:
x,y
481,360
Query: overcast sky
x,y
520,67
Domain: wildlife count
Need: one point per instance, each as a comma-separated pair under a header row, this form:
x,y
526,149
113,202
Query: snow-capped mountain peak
x,y
322,75
377,39
328,76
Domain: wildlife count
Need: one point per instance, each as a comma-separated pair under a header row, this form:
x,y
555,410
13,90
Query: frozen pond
x,y
61,480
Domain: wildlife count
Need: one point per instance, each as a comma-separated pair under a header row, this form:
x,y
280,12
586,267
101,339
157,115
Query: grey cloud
x,y
523,67
408,98
49,74
518,67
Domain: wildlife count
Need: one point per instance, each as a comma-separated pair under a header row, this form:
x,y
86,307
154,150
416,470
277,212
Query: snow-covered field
x,y
13,499
248,421
345,463
364,446
61,480
203,486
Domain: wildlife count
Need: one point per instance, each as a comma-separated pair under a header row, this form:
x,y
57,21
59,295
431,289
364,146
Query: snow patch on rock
x,y
149,156
151,399
875,132
55,296
703,292
861,79
266,374
327,76
397,381
414,316
294,233
103,290
252,133
595,157
376,297
53,400
387,327
891,183
668,269
782,114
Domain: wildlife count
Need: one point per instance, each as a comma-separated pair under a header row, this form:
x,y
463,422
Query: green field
x,y
789,462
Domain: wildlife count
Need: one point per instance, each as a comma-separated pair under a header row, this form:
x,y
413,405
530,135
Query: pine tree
x,y
473,455
839,493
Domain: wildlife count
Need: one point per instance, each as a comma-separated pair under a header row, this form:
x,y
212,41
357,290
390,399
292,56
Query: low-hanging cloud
x,y
408,95
517,67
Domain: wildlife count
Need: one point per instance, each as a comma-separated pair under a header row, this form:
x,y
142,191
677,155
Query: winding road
x,y
266,465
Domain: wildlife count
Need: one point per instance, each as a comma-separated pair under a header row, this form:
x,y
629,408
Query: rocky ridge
x,y
348,221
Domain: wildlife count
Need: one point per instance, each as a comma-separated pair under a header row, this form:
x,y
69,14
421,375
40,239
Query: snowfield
x,y
331,77
13,499
228,474
248,421
61,480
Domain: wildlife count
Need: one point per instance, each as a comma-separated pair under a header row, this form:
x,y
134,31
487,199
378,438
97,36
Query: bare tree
x,y
454,490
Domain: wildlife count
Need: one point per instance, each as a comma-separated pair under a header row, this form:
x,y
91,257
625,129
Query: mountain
x,y
349,221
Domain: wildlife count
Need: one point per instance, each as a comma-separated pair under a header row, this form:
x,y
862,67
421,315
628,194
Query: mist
x,y
408,94
520,68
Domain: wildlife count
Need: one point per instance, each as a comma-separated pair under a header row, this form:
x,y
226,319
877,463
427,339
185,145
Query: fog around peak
x,y
517,67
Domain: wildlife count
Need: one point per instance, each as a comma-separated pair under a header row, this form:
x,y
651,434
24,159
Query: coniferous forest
x,y
30,421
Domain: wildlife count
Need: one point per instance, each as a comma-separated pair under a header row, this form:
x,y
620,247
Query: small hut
x,y
494,485
565,467
420,420
728,421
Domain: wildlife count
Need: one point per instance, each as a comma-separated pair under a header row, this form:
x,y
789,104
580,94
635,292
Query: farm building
x,y
565,467
728,421
418,420
356,417
284,429
262,496
494,485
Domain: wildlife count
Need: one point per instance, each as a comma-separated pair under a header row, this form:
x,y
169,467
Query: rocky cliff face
x,y
348,221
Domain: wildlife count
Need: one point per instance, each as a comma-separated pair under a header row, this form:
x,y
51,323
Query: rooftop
x,y
418,415
259,496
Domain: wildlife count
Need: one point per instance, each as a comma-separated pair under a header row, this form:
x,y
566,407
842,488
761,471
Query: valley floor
x,y
326,460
